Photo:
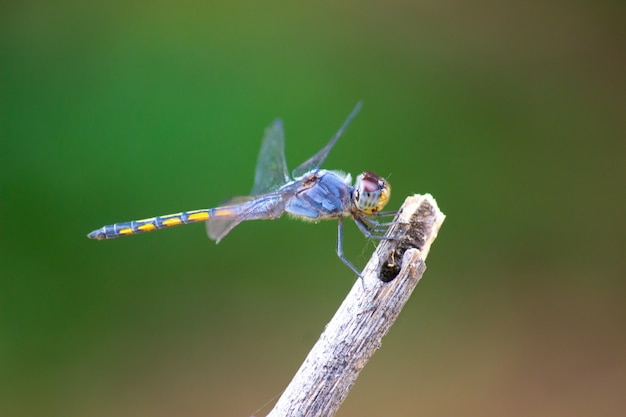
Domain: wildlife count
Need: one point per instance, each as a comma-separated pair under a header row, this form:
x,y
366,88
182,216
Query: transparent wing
x,y
238,209
271,167
314,162
218,227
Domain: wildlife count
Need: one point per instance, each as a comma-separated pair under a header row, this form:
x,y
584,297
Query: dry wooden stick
x,y
365,316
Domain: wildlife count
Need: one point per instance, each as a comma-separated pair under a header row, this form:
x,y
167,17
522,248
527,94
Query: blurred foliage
x,y
510,114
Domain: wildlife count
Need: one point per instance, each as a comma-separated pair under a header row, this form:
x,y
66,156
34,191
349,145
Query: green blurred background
x,y
512,114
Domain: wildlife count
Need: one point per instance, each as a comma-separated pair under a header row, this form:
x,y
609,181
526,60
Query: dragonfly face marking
x,y
310,193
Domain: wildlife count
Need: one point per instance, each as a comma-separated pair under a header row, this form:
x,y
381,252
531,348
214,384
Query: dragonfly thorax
x,y
371,193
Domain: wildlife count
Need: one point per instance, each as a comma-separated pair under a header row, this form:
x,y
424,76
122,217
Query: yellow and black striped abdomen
x,y
154,223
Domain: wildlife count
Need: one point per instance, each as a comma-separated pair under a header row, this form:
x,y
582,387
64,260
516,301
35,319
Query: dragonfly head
x,y
371,193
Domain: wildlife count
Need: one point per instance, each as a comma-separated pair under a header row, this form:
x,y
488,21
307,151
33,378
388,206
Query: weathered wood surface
x,y
366,315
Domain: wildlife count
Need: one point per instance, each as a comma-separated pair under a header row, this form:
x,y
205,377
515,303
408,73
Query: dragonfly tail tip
x,y
96,234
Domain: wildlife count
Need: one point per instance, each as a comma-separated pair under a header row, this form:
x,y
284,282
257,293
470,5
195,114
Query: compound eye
x,y
370,182
372,192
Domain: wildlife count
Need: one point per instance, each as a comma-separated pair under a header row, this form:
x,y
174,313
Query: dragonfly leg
x,y
340,251
375,223
368,231
385,213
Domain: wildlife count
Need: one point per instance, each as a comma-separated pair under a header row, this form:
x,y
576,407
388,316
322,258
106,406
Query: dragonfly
x,y
310,194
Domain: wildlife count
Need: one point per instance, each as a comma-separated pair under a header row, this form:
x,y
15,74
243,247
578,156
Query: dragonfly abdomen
x,y
147,225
